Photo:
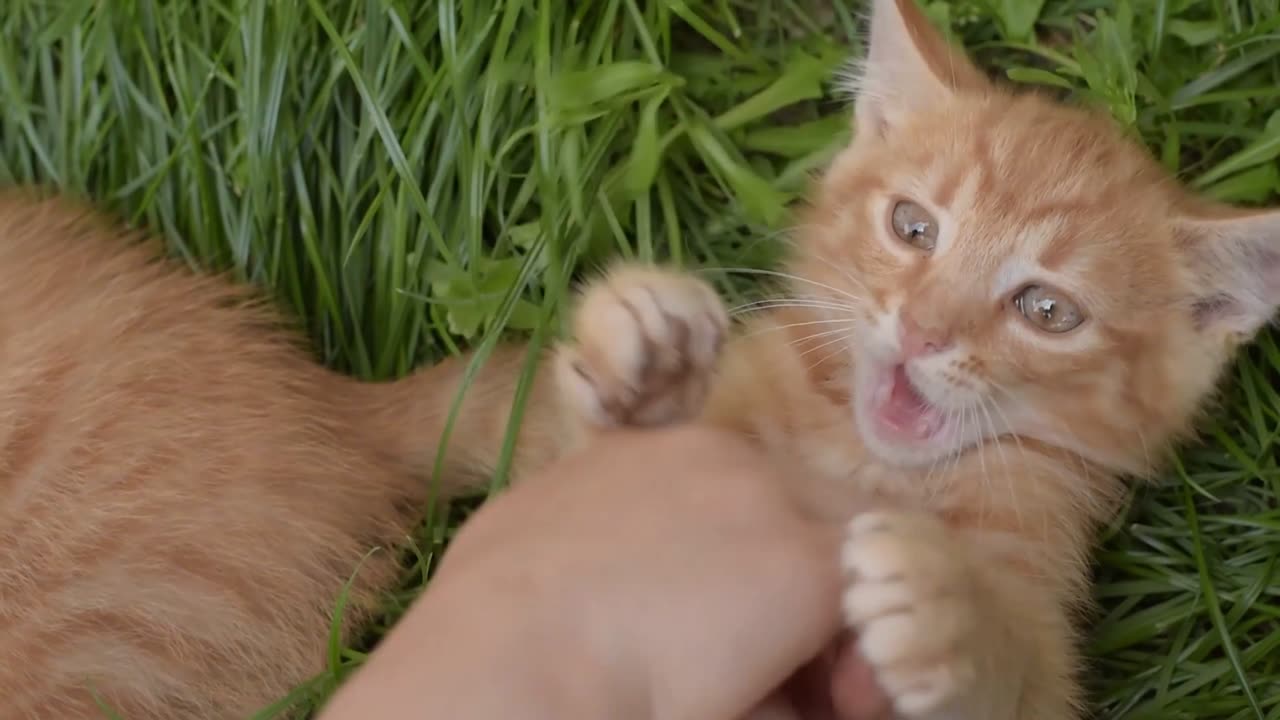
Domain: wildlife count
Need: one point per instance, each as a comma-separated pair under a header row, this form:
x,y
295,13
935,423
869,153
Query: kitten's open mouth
x,y
903,413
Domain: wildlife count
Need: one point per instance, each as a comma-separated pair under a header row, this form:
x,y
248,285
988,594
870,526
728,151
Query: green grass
x,y
412,177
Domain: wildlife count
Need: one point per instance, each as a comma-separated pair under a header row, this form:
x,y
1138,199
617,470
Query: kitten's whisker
x,y
949,459
788,326
934,465
761,305
797,300
1017,437
1054,438
981,442
840,349
828,356
809,250
956,454
1146,450
789,276
844,332
980,445
1004,460
944,478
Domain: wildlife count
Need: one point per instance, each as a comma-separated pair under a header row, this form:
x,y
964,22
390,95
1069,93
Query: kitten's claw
x,y
910,601
646,345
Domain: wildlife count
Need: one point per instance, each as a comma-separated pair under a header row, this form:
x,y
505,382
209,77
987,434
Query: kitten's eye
x,y
914,225
1048,309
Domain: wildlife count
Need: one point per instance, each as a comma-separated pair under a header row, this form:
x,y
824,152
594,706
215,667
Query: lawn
x,y
414,177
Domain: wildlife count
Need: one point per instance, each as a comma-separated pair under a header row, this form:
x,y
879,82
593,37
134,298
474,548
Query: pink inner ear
x,y
1211,310
909,66
1235,260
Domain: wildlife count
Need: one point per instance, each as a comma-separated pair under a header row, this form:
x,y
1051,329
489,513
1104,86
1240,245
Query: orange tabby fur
x,y
184,492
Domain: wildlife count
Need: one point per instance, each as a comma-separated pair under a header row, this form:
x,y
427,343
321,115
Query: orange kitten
x,y
999,307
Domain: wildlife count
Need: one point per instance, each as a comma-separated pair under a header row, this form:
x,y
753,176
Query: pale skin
x,y
659,574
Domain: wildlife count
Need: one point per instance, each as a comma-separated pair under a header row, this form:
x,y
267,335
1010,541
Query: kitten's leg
x,y
645,346
952,634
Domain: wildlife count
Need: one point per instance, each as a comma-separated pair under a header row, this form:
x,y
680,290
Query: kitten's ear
x,y
1235,258
909,66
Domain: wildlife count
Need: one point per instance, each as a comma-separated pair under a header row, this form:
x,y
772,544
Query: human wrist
x,y
514,647
474,649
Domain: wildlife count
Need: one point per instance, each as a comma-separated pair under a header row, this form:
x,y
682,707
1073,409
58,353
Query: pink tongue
x,y
904,409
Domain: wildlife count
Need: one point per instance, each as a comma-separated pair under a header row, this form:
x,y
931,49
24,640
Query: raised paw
x,y
646,342
910,601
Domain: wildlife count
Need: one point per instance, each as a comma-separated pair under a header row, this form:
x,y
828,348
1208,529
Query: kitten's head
x,y
1016,266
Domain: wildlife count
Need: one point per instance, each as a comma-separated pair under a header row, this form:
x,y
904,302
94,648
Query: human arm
x,y
659,574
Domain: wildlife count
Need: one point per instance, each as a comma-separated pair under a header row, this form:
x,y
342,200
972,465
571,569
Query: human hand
x,y
659,574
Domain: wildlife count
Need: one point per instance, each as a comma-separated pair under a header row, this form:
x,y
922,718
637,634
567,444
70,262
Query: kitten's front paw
x,y
646,342
911,602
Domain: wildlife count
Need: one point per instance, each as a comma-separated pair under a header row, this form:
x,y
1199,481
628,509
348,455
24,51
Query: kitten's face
x,y
1014,267
1008,273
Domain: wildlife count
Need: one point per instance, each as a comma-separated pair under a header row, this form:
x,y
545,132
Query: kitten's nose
x,y
917,340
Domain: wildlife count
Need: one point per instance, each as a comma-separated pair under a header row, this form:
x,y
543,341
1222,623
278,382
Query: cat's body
x,y
183,492
182,488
